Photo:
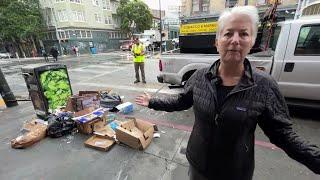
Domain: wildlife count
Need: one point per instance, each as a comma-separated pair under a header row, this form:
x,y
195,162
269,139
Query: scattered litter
x,y
156,135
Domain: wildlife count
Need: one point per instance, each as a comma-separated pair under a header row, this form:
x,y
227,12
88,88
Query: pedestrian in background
x,y
44,54
138,53
229,99
54,52
77,51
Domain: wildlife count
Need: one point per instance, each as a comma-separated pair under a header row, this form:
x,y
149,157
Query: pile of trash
x,y
91,113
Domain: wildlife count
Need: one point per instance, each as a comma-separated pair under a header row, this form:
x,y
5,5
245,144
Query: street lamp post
x,y
160,27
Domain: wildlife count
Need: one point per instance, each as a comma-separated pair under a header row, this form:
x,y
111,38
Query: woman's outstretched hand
x,y
143,99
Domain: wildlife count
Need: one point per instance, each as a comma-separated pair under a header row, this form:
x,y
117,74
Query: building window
x,y
95,2
261,2
78,33
78,16
89,34
76,1
231,3
195,5
106,4
205,5
308,41
62,35
83,34
67,34
97,18
106,20
62,15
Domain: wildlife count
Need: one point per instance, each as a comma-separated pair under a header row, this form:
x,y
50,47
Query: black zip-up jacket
x,y
221,146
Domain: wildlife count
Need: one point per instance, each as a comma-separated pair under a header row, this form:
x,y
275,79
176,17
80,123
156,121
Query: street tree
x,y
134,15
20,21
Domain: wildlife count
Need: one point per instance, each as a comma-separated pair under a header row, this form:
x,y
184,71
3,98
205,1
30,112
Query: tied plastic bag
x,y
109,100
60,125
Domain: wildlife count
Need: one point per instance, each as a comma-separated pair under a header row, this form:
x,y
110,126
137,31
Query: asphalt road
x,y
67,158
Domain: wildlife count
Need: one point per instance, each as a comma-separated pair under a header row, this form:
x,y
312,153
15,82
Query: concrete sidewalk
x,y
164,159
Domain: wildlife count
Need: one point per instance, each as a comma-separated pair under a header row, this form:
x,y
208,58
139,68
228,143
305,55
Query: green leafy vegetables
x,y
56,87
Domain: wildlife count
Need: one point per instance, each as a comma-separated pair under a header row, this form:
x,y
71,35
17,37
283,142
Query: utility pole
x,y
7,96
160,27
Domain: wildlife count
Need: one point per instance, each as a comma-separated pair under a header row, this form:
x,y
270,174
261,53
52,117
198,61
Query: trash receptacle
x,y
48,85
94,50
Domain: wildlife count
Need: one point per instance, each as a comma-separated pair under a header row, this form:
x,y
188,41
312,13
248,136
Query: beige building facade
x,y
192,8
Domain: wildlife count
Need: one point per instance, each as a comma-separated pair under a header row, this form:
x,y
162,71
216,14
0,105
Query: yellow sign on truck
x,y
209,27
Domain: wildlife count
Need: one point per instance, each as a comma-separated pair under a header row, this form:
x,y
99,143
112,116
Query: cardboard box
x,y
99,142
135,133
77,103
101,129
88,127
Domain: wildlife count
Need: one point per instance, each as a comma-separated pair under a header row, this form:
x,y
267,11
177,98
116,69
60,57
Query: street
x,y
68,158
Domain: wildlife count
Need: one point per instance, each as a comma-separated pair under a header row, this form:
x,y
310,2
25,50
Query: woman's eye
x,y
228,34
244,34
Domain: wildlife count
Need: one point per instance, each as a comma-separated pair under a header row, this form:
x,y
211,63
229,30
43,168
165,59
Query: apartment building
x,y
88,24
196,8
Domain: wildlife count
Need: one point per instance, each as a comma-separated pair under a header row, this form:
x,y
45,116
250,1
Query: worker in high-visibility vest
x,y
138,53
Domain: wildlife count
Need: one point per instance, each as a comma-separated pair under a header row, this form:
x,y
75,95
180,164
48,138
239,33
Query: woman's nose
x,y
235,38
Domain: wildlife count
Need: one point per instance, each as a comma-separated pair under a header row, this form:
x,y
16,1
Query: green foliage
x,y
19,19
56,87
134,11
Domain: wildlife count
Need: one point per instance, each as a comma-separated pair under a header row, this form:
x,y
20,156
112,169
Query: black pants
x,y
195,175
137,66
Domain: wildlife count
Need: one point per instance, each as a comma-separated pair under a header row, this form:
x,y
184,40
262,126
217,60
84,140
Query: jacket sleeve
x,y
179,102
277,125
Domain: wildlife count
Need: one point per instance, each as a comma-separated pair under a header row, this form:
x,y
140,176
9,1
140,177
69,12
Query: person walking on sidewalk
x,y
44,54
76,49
54,52
138,53
229,99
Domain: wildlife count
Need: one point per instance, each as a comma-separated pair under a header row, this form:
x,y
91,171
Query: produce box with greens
x,y
56,87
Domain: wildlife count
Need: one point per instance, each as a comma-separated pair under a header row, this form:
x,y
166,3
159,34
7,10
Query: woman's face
x,y
235,39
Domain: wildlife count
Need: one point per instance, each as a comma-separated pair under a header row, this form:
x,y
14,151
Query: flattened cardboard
x,y
99,142
135,133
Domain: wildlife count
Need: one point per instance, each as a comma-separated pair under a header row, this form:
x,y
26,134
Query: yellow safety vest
x,y
138,50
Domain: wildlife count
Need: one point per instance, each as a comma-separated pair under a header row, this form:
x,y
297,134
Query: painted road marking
x,y
189,129
130,88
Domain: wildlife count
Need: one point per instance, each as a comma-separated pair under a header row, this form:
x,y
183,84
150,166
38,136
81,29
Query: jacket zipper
x,y
231,93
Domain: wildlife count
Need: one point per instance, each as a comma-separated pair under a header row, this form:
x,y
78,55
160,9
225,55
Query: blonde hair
x,y
250,11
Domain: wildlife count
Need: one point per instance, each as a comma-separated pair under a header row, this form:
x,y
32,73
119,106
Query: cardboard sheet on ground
x,y
32,132
99,142
135,133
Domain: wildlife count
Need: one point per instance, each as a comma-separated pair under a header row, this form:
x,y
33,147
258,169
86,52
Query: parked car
x,y
293,62
5,55
126,45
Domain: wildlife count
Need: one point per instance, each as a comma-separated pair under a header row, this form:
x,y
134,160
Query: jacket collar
x,y
245,81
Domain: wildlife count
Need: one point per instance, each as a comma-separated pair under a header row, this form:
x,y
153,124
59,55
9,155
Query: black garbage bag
x,y
60,125
109,100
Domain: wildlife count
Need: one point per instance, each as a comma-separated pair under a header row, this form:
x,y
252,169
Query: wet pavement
x,y
67,158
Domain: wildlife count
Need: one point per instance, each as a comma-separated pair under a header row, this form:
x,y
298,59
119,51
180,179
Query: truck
x,y
151,38
293,61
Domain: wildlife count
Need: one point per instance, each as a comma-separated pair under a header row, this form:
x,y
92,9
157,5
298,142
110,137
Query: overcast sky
x,y
154,4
